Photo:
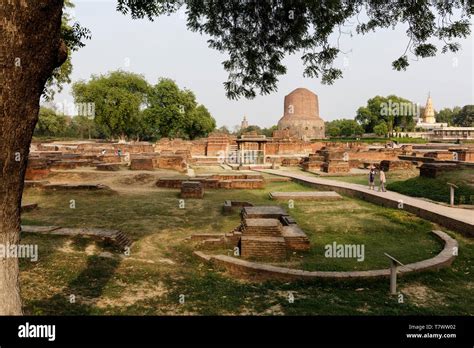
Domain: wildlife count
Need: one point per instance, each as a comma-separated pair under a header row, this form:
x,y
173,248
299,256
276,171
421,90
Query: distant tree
x,y
200,123
255,35
381,129
223,130
50,124
251,128
332,129
174,113
118,98
446,115
268,132
84,127
465,117
343,127
394,111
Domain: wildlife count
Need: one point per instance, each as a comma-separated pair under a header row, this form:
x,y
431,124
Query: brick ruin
x,y
340,158
268,232
192,189
433,170
217,181
265,233
153,161
283,149
173,154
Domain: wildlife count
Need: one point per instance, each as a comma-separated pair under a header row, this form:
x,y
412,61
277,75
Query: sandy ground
x,y
126,181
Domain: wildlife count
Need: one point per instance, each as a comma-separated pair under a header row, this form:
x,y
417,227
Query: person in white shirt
x,y
383,180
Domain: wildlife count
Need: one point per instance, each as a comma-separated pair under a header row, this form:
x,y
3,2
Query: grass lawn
x,y
437,189
161,266
392,176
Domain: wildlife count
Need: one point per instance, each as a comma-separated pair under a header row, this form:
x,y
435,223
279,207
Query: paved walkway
x,y
461,220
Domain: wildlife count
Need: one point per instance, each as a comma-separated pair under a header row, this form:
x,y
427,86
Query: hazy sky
x,y
165,48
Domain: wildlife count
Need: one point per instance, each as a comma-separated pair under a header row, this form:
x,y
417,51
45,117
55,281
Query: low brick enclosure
x,y
115,237
258,271
432,170
440,155
192,189
109,167
458,220
220,181
142,163
229,206
388,165
306,196
176,162
37,169
265,233
77,187
339,158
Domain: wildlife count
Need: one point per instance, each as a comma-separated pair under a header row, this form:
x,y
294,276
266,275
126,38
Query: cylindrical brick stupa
x,y
301,115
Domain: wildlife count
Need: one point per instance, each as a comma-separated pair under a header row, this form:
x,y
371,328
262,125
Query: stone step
x,y
263,247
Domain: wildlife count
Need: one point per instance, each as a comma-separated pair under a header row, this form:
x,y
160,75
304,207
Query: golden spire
x,y
428,113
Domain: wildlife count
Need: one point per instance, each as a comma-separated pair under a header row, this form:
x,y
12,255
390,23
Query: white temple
x,y
428,121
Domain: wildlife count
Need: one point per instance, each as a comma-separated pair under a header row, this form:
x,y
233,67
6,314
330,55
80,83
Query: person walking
x,y
383,180
372,179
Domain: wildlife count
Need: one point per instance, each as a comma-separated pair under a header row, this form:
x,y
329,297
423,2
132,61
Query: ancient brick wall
x,y
142,163
440,155
466,156
192,189
396,165
170,162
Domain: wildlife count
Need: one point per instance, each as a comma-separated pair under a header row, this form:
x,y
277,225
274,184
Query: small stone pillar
x,y
394,263
451,193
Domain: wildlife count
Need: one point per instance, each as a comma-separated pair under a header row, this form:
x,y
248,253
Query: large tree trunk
x,y
30,48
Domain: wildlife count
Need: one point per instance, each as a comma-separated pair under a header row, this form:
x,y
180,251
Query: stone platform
x,y
295,238
268,212
115,237
306,196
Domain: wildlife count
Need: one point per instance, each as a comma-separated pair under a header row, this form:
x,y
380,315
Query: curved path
x,y
255,270
456,219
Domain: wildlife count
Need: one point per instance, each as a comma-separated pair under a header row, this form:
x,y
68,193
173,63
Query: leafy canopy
x,y
256,35
381,129
52,124
117,98
343,127
173,112
126,105
394,111
465,116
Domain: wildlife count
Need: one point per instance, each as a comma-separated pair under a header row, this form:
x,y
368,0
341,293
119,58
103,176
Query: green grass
x,y
353,222
392,176
161,266
437,189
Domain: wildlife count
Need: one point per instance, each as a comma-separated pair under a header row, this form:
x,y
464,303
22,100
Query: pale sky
x,y
165,48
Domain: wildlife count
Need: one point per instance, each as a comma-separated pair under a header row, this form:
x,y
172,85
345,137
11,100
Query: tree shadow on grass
x,y
82,293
